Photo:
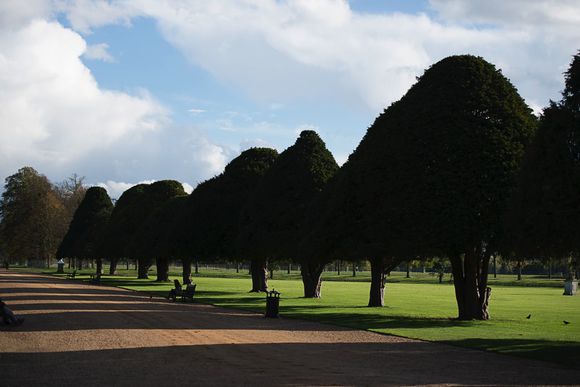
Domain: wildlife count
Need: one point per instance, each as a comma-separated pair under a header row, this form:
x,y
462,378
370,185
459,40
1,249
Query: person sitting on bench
x,y
8,316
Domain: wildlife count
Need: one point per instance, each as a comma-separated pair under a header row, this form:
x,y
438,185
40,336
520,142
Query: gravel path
x,y
84,335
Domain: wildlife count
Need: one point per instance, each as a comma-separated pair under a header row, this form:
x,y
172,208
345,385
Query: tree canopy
x,y
83,237
213,209
35,215
544,218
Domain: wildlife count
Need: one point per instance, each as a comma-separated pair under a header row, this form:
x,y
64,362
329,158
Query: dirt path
x,y
78,334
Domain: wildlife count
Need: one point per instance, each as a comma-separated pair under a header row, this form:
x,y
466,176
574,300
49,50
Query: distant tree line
x,y
35,215
458,170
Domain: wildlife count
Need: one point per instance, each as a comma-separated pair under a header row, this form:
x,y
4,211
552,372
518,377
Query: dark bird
x,y
566,322
529,316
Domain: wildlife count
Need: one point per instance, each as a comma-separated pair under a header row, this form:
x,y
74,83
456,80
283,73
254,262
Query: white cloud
x,y
196,111
99,52
511,13
54,115
53,112
51,108
311,50
187,187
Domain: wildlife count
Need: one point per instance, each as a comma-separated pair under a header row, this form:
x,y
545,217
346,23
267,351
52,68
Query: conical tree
x,y
432,177
211,218
130,214
275,217
84,234
143,244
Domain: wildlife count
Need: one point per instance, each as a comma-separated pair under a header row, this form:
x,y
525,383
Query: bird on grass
x,y
566,322
529,316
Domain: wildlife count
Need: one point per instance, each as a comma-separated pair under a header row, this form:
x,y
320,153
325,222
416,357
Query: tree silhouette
x,y
274,218
211,219
84,234
543,221
431,177
129,215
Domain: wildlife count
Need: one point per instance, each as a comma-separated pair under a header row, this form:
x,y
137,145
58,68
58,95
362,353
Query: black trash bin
x,y
272,303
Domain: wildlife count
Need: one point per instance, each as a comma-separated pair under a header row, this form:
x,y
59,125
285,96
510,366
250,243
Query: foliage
x,y
130,214
274,218
83,237
35,214
544,220
210,222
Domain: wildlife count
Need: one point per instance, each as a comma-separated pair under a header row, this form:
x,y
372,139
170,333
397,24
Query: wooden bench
x,y
71,275
178,291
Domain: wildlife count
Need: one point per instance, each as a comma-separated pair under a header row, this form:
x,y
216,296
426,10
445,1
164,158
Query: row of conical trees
x,y
437,174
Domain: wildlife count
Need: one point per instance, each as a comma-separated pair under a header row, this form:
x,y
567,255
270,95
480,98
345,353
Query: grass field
x,y
419,310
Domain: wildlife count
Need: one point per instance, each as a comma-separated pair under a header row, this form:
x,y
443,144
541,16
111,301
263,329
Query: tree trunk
x,y
519,270
494,266
186,263
550,268
377,294
408,270
311,279
338,267
99,270
354,269
470,275
143,268
196,267
289,268
113,267
79,264
162,269
259,276
237,267
127,262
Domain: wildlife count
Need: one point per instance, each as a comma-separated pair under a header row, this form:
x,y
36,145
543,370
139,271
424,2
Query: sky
x,y
123,92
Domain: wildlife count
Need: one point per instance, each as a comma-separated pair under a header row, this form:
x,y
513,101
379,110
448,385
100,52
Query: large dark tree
x,y
212,217
84,234
275,217
156,240
431,178
130,214
545,215
458,137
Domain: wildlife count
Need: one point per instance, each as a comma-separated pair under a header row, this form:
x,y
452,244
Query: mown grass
x,y
345,275
417,310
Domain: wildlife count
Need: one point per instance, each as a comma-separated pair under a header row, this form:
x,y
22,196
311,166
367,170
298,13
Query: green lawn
x,y
417,310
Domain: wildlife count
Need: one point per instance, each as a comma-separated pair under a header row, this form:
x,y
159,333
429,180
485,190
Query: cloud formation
x,y
54,113
52,110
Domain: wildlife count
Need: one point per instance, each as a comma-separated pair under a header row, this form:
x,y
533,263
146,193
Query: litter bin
x,y
272,303
570,287
60,266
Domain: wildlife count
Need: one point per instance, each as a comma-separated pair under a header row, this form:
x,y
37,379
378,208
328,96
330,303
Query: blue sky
x,y
123,92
